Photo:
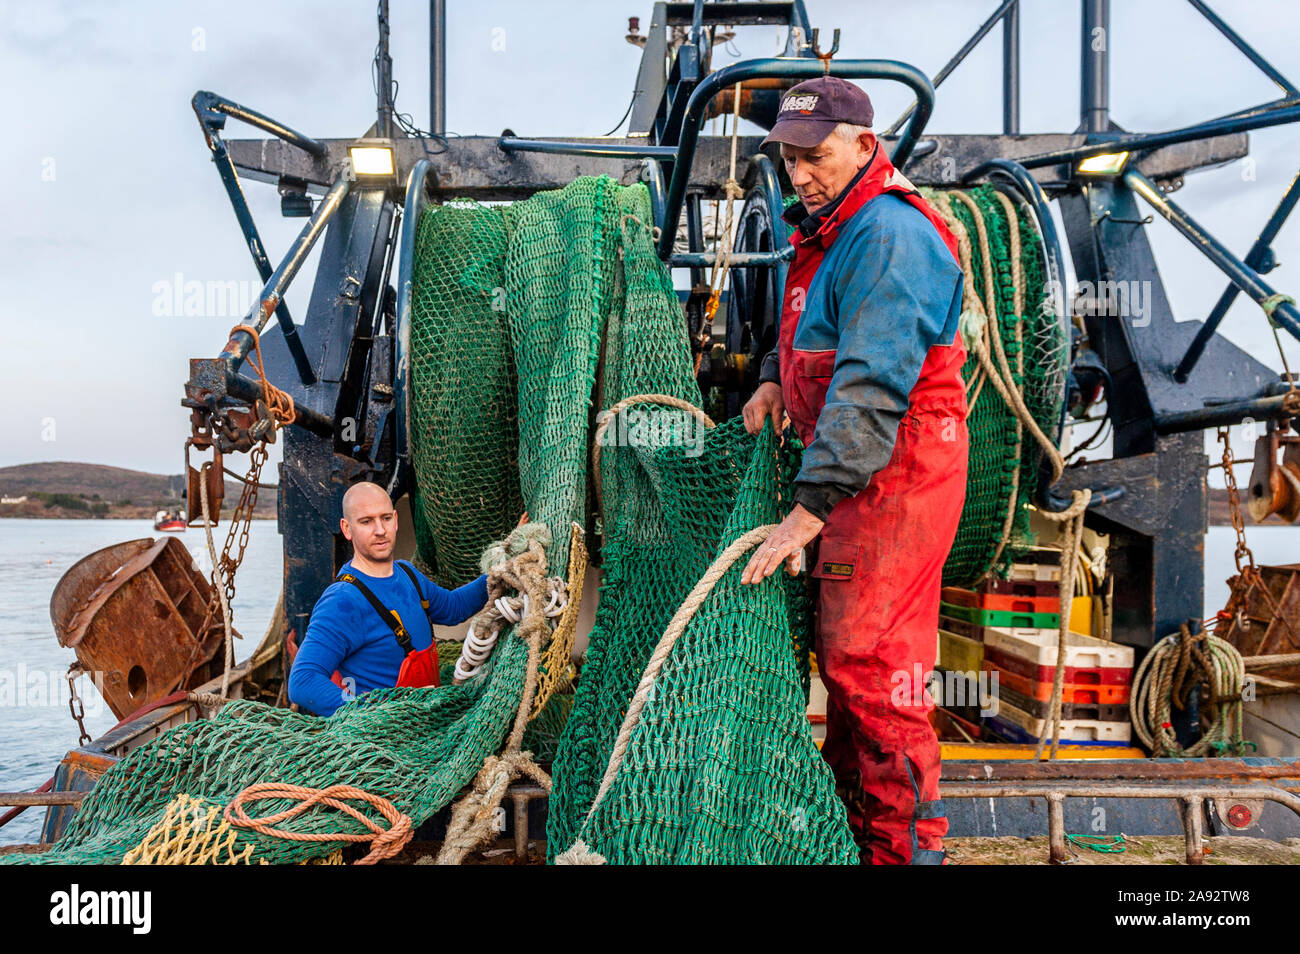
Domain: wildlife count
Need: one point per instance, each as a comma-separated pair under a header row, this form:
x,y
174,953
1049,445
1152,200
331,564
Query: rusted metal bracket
x,y
1275,483
27,799
216,482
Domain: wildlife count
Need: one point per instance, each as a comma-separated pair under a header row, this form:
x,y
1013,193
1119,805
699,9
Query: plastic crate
x,y
1035,571
1038,645
986,618
961,628
1074,675
1070,711
1001,602
1087,693
959,653
1072,730
999,728
1050,588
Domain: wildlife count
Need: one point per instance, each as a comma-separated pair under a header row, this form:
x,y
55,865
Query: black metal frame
x,y
212,111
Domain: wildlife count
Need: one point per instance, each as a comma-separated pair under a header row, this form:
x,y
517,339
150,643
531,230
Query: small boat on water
x,y
169,521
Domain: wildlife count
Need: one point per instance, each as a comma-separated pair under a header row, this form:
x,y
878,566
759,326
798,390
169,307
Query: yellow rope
x,y
722,241
557,659
193,832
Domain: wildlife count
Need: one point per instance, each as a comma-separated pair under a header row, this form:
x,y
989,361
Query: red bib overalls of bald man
x,y
869,362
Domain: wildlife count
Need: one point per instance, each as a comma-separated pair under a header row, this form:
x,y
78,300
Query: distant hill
x,y
98,481
71,489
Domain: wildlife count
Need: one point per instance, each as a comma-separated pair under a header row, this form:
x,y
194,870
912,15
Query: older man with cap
x,y
868,369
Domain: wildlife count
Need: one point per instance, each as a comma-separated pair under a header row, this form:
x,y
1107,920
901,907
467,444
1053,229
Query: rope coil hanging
x,y
988,348
1165,680
523,571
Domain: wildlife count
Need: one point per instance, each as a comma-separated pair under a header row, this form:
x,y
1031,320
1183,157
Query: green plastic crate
x,y
983,617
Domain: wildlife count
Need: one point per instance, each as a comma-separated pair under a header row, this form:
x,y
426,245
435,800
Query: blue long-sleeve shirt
x,y
345,633
886,291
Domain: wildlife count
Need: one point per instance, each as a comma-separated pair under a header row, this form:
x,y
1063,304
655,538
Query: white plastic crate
x,y
1073,730
1034,571
1039,647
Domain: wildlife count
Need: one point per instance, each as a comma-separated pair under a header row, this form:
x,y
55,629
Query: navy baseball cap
x,y
813,108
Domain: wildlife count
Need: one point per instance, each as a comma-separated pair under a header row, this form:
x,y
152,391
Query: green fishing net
x,y
529,321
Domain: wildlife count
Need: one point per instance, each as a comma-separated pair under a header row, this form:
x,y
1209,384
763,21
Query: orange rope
x,y
278,402
386,842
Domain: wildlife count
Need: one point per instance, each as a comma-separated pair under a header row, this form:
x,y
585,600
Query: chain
x,y
1249,577
223,570
280,408
75,705
240,523
1234,507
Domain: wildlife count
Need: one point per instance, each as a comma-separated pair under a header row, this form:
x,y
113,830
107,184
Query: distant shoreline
x,y
65,490
69,490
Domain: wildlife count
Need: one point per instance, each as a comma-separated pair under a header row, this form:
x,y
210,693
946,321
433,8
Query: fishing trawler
x,y
1075,590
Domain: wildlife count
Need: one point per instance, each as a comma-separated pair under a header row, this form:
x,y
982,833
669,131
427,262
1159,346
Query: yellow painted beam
x,y
985,751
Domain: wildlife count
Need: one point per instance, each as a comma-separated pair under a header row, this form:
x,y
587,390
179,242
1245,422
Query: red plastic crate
x,y
1002,602
1083,694
1071,711
1075,676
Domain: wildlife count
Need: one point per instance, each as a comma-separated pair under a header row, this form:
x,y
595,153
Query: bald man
x,y
357,625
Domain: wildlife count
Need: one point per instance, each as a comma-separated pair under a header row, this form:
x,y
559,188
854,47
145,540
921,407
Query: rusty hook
x,y
826,57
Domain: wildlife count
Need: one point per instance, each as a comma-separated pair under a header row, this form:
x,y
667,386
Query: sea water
x,y
36,728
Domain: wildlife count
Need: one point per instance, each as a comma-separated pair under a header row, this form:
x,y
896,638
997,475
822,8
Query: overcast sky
x,y
109,190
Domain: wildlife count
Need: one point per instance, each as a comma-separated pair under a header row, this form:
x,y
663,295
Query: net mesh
x,y
459,323
721,767
416,747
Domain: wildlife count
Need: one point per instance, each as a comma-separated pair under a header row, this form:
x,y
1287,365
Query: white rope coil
x,y
478,647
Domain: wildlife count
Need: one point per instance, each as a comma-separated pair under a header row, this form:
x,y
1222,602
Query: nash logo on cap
x,y
804,104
